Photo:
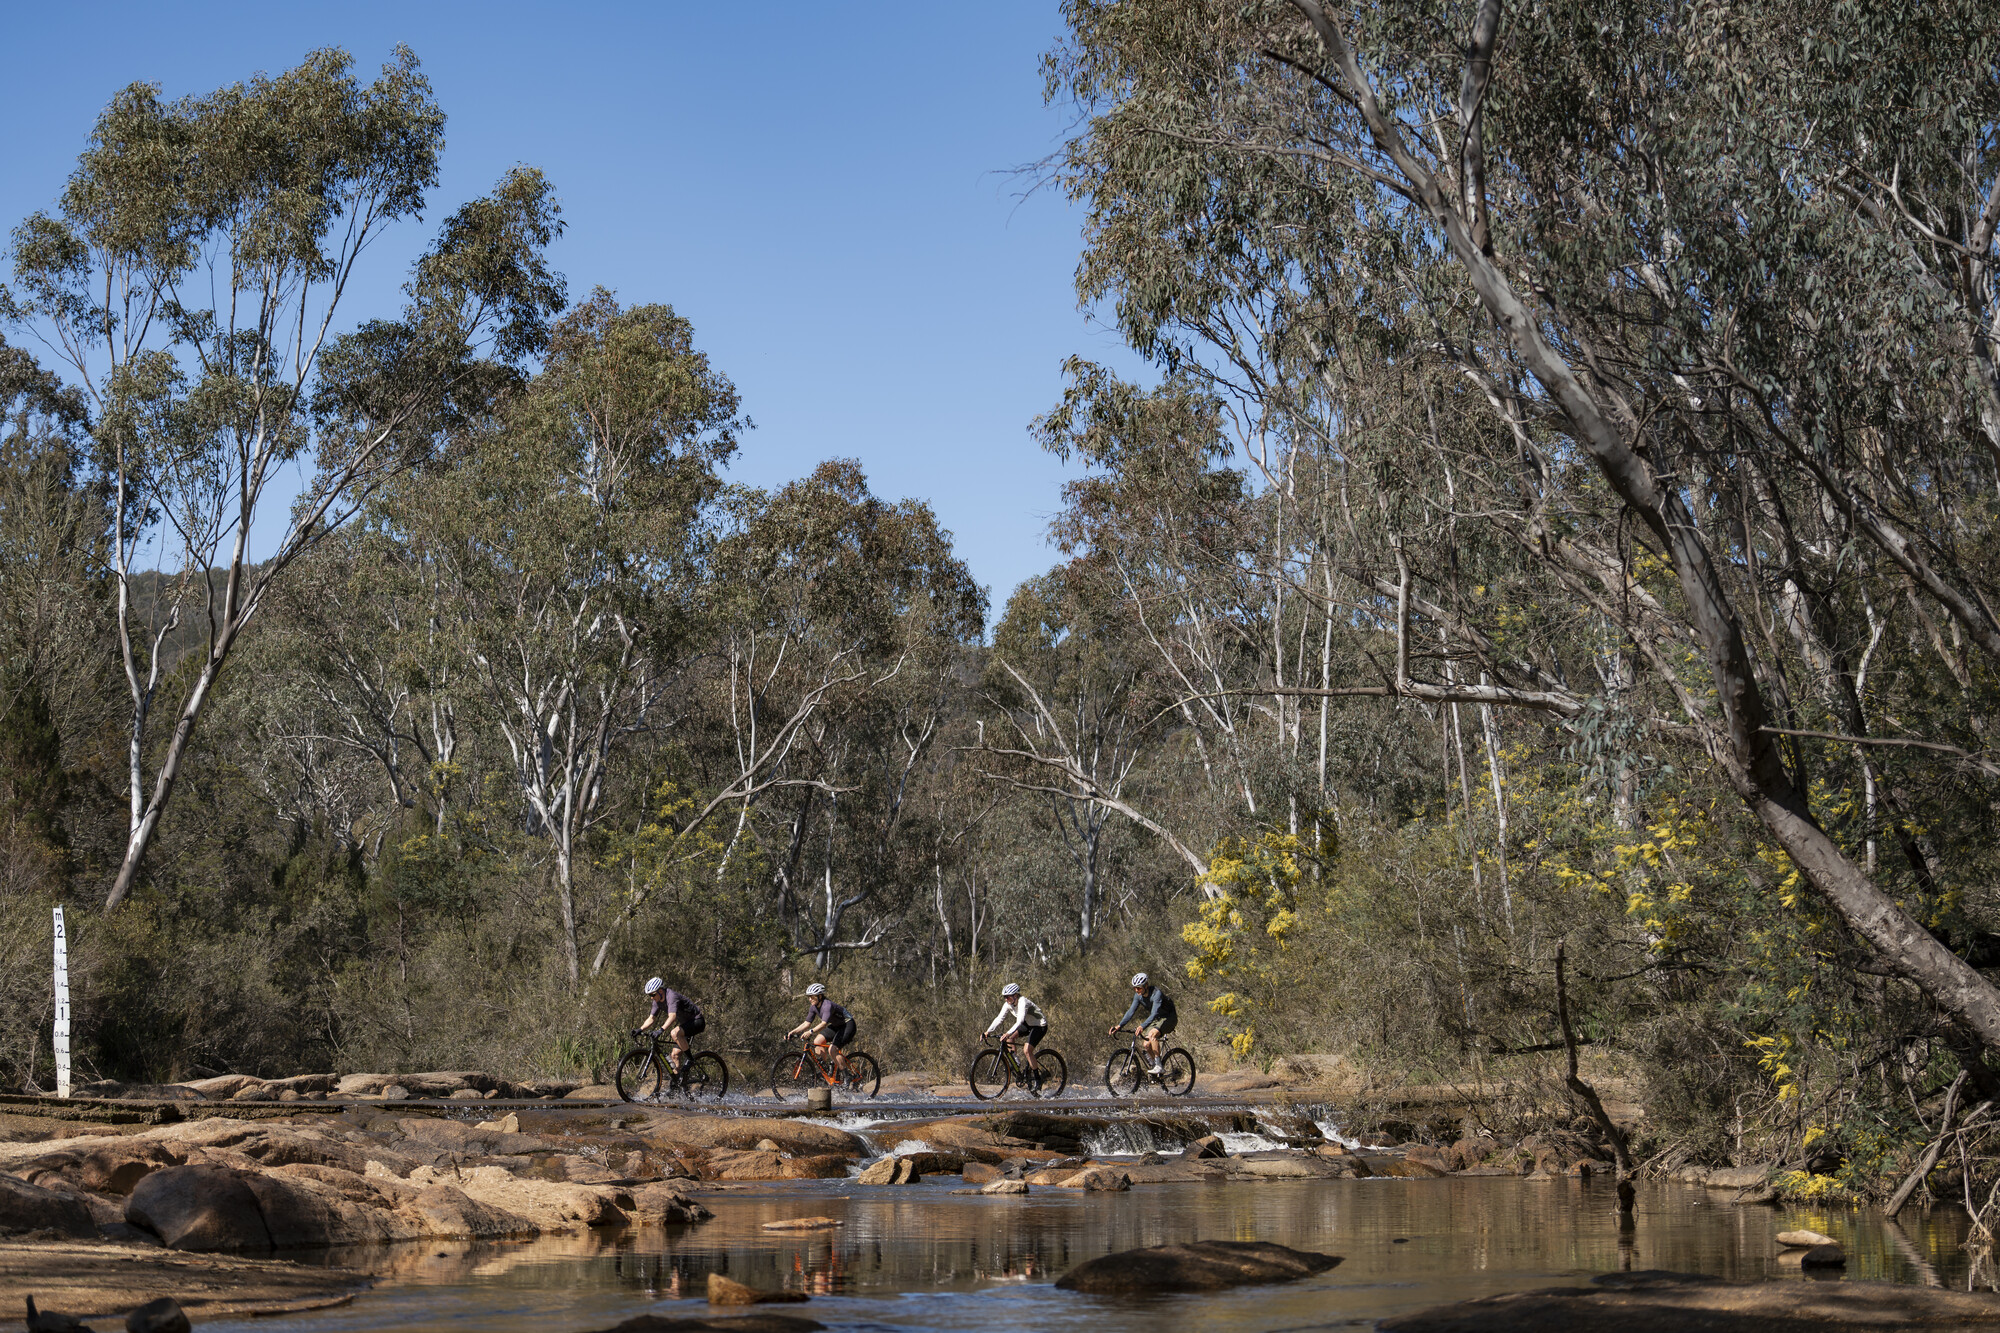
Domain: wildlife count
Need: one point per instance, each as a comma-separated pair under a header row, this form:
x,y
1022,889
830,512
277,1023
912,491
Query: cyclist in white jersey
x,y
1025,1019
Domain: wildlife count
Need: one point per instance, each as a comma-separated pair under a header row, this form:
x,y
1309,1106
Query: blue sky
x,y
826,191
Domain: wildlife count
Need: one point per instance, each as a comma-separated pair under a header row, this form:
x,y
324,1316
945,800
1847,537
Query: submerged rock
x,y
726,1291
1203,1265
1658,1302
1803,1240
161,1316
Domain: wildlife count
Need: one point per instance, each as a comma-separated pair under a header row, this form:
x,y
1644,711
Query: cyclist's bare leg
x,y
1150,1041
681,1047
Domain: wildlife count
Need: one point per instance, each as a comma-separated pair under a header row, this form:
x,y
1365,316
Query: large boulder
x,y
1203,1265
890,1171
199,1208
1656,1302
26,1207
731,1164
222,1087
971,1137
710,1131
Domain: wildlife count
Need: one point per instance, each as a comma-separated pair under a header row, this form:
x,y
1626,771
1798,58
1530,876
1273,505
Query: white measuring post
x,y
62,1007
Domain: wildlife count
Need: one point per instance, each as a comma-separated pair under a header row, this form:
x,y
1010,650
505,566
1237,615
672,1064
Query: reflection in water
x,y
920,1257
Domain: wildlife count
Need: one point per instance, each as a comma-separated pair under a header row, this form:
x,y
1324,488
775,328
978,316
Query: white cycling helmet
x,y
1009,991
1139,978
655,985
815,989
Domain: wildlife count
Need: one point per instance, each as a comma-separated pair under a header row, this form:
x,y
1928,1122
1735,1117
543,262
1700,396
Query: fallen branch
x,y
1575,1080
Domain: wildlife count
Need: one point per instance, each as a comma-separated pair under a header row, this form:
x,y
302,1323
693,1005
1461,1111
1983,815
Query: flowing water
x,y
920,1257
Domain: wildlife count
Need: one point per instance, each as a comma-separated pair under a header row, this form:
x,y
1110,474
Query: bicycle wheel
x,y
863,1074
707,1077
1177,1073
639,1076
1121,1074
989,1075
792,1073
1052,1073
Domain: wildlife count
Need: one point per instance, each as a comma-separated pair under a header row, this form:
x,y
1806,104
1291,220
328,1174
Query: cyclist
x,y
1160,1019
829,1024
1028,1020
680,1018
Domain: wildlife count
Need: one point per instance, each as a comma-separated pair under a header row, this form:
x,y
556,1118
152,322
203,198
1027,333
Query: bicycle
x,y
800,1069
997,1067
1126,1070
704,1078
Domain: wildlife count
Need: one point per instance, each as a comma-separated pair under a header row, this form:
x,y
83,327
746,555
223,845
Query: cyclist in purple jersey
x,y
829,1024
680,1018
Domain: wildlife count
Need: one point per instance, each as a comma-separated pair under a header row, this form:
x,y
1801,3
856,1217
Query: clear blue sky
x,y
825,190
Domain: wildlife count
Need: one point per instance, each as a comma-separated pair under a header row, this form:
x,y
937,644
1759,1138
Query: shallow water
x,y
920,1257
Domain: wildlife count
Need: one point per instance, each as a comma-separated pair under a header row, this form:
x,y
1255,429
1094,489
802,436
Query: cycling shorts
x,y
840,1037
692,1024
1032,1036
1165,1027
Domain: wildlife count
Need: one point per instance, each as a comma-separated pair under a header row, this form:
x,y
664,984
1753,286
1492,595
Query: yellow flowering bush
x,y
1243,930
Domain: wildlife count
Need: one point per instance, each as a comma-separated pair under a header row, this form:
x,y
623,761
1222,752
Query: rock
x,y
709,1131
161,1316
49,1321
1208,1145
222,1087
1099,1178
1658,1302
980,1173
1331,1150
819,1099
1472,1150
291,1095
1004,1187
1803,1240
506,1124
28,1207
1294,1166
1757,1194
804,1224
1817,1256
768,1145
125,1233
395,1092
723,1291
1204,1265
1737,1177
1441,1160
199,1208
935,1163
971,1137
890,1171
467,1095
1177,1172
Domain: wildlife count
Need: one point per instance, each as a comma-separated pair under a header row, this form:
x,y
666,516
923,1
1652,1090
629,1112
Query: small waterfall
x,y
1132,1137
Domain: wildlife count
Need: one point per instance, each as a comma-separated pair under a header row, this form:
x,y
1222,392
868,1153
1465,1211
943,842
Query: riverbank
x,y
103,1279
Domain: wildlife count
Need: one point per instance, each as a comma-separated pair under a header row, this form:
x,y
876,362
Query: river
x,y
921,1258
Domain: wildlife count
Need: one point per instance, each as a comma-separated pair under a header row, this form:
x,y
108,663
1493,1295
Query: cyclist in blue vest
x,y
1161,1018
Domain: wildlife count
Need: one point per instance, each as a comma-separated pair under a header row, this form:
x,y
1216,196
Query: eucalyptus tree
x,y
1068,678
572,538
1691,310
193,276
862,609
